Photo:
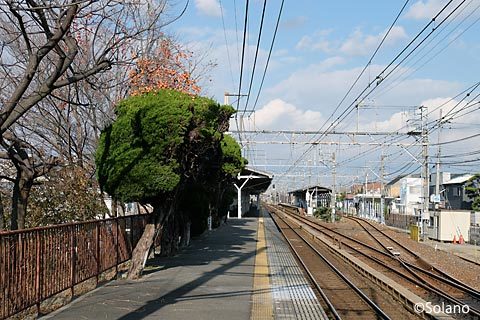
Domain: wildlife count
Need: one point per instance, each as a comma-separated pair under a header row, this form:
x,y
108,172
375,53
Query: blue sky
x,y
320,49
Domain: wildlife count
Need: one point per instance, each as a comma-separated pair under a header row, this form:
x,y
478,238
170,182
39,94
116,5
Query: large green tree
x,y
161,144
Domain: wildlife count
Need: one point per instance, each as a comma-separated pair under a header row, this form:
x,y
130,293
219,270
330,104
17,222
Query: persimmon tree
x,y
169,66
161,144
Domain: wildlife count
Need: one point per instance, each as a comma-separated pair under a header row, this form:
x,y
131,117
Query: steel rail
x,y
374,306
450,280
418,281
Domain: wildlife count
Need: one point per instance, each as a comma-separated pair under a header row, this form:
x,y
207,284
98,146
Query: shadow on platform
x,y
216,268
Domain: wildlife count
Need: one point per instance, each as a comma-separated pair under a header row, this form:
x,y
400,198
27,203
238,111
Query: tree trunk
x,y
140,253
21,192
185,236
169,237
2,213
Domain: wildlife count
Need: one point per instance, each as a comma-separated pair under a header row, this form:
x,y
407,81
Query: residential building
x,y
454,193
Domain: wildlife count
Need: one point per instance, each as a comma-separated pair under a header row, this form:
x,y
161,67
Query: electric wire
x,y
243,54
397,80
236,28
269,54
367,65
379,77
226,43
256,55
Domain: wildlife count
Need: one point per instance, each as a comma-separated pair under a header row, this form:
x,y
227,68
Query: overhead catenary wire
x,y
368,63
365,93
243,54
256,55
432,126
360,97
236,28
408,72
269,54
226,43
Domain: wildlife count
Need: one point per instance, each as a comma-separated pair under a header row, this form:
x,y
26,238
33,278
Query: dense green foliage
x,y
323,213
167,148
472,189
232,156
143,154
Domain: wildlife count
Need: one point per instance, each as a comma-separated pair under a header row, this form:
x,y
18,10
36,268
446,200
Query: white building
x,y
410,196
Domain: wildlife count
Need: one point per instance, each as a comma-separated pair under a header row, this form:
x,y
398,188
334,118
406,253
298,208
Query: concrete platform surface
x,y
293,297
211,279
469,251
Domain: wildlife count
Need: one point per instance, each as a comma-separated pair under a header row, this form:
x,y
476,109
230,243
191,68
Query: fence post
x,y
116,245
97,226
73,239
38,269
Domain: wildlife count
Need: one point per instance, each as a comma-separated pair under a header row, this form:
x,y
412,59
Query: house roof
x,y
458,180
395,180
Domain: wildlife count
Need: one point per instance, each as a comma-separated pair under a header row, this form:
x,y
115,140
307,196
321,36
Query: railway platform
x,y
242,270
466,251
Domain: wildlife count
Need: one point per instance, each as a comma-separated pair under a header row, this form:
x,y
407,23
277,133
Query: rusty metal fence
x,y
36,264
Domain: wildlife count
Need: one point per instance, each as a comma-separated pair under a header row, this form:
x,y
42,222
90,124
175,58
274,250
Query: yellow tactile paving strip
x,y
262,305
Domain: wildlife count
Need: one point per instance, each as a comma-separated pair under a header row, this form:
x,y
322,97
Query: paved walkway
x,y
211,279
242,270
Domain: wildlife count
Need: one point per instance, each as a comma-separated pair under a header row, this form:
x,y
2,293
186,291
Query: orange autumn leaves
x,y
168,68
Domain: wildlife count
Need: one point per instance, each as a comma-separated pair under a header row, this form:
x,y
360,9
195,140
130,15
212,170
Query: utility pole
x,y
437,164
364,205
334,196
425,216
382,191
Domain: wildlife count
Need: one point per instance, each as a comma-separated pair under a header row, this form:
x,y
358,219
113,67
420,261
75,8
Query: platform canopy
x,y
318,197
258,181
317,189
250,182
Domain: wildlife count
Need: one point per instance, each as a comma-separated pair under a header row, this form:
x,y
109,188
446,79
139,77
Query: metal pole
x,y
382,192
437,165
364,209
239,202
425,177
333,199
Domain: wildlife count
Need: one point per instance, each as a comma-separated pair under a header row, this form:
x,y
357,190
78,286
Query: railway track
x,y
344,299
415,274
435,276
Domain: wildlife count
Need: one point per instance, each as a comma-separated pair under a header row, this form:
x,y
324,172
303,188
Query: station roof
x,y
258,181
319,189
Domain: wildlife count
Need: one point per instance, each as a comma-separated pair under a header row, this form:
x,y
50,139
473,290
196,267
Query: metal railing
x,y
38,263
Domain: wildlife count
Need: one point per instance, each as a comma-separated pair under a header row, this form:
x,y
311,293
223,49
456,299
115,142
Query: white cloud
x,y
294,22
452,111
278,114
360,44
321,86
316,42
357,44
308,43
209,7
425,9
